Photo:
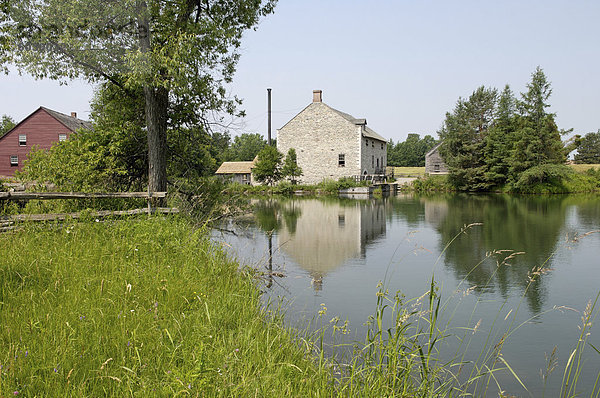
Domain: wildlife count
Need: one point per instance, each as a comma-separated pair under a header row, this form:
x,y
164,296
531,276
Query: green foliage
x,y
245,147
6,124
490,140
268,166
555,178
290,167
411,152
432,183
588,149
464,135
84,163
146,307
179,54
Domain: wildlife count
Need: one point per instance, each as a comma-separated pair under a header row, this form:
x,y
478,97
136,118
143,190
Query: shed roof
x,y
235,168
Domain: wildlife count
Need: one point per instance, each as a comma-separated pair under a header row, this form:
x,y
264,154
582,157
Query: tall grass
x,y
150,307
141,307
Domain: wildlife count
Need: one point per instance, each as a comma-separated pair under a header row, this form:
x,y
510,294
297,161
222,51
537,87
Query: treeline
x,y
411,152
495,141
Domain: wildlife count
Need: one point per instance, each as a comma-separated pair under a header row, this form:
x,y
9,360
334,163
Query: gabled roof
x,y
235,168
70,122
367,131
435,148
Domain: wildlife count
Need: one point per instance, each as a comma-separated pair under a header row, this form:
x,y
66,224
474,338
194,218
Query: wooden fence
x,y
7,222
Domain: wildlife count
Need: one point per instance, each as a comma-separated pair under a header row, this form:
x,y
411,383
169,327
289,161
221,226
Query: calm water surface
x,y
336,251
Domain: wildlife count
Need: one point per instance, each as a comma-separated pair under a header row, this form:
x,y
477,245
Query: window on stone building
x,y
372,160
436,167
381,145
22,139
341,160
377,162
14,160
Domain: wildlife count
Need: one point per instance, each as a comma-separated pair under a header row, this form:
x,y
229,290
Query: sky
x,y
400,64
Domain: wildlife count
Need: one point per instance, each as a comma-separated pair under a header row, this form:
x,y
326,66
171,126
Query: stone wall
x,y
320,135
373,155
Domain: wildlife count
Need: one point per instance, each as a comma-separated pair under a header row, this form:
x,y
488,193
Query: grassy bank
x,y
149,307
139,307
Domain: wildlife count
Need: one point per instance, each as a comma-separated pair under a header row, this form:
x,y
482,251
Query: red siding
x,y
40,128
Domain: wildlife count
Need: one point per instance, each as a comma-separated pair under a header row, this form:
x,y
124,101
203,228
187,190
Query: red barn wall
x,y
40,128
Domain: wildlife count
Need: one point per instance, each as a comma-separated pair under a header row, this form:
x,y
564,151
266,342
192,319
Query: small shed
x,y
240,172
434,163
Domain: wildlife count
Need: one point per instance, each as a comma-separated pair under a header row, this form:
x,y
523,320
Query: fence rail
x,y
78,195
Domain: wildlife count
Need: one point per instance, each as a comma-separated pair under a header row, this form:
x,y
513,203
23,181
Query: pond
x,y
524,266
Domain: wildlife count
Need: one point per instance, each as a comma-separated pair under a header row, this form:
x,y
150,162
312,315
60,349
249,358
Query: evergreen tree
x,y
290,166
465,136
588,150
268,165
537,137
499,141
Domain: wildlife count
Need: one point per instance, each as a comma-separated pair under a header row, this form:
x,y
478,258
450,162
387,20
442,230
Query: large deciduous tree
x,y
245,147
178,54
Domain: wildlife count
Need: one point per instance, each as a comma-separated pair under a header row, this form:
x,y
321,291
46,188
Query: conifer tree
x,y
465,136
499,141
537,137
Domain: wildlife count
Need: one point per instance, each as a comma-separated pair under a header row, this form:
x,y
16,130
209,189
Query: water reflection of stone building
x,y
327,234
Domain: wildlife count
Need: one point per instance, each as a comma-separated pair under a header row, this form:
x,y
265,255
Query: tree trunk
x,y
156,105
156,122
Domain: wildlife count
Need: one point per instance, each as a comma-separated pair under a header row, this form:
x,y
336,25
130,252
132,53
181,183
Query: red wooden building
x,y
42,128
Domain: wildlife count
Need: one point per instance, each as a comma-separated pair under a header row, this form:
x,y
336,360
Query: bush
x,y
437,183
554,179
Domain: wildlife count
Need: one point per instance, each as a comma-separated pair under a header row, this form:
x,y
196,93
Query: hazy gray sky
x,y
400,64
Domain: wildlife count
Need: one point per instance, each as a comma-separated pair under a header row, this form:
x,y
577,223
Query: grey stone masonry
x,y
330,144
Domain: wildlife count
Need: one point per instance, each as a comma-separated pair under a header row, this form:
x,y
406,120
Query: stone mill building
x,y
331,144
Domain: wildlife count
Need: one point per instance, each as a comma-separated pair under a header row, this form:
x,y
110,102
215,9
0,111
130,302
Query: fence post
x,y
149,201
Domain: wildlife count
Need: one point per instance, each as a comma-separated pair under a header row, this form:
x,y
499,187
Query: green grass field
x,y
409,171
144,307
583,167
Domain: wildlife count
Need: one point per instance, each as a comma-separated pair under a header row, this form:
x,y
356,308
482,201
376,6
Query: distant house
x,y
42,128
434,163
331,144
240,172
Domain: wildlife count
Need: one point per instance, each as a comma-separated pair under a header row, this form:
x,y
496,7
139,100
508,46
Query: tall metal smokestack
x,y
269,116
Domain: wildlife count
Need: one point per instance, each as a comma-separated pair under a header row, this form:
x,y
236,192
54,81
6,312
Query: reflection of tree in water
x,y
588,210
407,207
523,224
